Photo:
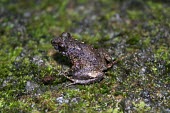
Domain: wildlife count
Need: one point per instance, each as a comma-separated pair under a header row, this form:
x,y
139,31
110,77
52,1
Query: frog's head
x,y
61,43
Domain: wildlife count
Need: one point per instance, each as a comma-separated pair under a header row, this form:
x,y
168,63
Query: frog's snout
x,y
53,42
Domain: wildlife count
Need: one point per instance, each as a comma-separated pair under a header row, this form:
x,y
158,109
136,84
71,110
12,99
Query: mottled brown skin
x,y
88,62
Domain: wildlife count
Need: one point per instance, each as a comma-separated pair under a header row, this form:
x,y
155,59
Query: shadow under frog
x,y
88,63
63,60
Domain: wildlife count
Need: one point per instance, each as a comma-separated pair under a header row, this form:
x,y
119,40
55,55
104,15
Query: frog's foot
x,y
115,61
110,65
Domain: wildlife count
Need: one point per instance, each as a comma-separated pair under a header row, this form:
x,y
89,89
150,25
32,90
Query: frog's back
x,y
85,55
91,57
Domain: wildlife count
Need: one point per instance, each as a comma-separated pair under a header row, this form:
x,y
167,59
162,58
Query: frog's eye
x,y
68,35
60,44
65,34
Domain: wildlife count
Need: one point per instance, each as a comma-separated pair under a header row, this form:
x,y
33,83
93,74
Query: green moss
x,y
88,39
146,42
141,107
133,39
155,6
163,53
134,15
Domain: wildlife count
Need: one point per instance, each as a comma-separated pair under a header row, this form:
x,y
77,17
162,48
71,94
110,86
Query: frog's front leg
x,y
107,57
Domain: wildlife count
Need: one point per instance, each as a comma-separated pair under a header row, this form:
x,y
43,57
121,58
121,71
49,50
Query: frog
x,y
88,63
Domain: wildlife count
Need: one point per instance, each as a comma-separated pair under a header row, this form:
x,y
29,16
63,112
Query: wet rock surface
x,y
136,33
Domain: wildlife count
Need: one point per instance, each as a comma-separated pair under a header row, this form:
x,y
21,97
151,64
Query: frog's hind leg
x,y
86,76
83,82
90,81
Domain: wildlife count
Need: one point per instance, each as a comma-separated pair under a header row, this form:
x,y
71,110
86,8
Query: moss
x,y
146,42
134,15
163,53
141,107
133,40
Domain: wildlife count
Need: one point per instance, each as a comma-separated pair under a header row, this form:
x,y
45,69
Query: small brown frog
x,y
88,62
